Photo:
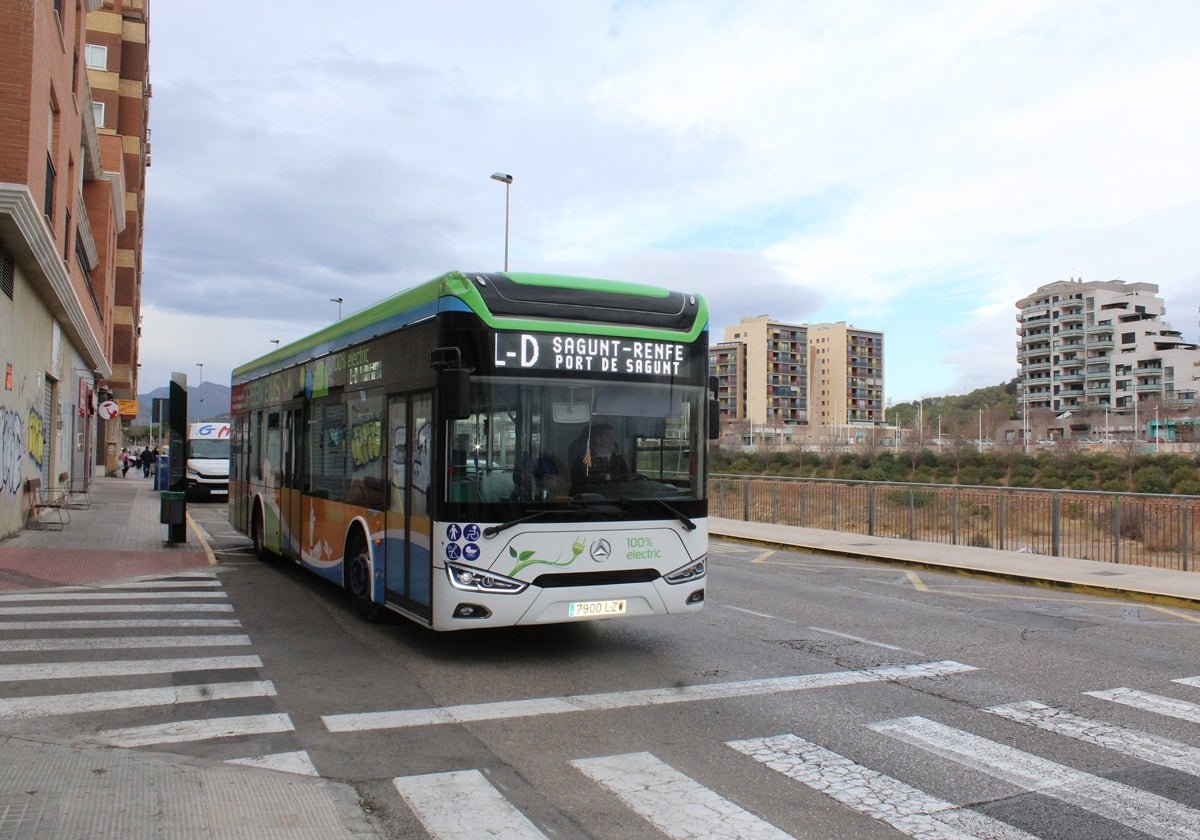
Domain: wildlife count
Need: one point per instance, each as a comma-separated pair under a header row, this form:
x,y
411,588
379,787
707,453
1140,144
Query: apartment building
x,y
846,375
772,374
73,150
1102,345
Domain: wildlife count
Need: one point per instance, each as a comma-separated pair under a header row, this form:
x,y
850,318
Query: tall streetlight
x,y
199,393
506,180
274,341
338,301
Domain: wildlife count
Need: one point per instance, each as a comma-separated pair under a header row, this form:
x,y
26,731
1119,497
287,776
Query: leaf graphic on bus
x,y
526,558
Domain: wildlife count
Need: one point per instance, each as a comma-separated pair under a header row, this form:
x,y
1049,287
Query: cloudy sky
x,y
911,167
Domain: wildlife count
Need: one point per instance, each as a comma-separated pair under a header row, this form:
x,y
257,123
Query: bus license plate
x,y
580,609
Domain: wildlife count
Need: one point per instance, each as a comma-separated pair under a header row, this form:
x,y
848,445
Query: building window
x,y
98,113
81,258
96,57
48,198
8,272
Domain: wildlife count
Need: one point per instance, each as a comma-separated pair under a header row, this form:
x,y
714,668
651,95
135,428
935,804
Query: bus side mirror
x,y
454,393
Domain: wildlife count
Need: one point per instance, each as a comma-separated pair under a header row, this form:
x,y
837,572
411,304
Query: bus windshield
x,y
542,440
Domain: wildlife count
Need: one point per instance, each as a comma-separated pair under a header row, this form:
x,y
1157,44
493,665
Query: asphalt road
x,y
813,697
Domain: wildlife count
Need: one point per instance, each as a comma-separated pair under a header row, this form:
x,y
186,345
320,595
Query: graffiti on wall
x,y
37,437
12,449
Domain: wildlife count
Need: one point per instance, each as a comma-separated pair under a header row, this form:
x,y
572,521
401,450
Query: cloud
x,y
909,167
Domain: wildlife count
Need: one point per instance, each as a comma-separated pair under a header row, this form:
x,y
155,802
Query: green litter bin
x,y
171,507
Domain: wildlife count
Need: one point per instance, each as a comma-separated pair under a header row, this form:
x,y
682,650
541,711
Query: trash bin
x,y
171,507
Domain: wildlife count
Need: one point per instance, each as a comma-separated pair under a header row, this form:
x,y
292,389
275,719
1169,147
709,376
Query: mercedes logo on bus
x,y
600,550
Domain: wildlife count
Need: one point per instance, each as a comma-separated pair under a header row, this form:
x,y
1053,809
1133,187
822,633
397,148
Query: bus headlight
x,y
692,571
470,579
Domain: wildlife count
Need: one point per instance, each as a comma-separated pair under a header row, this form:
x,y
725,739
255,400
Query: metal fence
x,y
1130,528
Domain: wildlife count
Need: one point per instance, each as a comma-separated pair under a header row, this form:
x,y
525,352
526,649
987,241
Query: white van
x,y
207,465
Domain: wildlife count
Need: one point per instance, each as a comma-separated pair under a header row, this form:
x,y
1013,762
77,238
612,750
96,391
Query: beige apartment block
x,y
772,374
845,375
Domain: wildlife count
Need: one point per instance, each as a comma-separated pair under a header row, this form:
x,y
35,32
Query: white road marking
x,y
123,642
405,718
1159,705
1137,809
121,667
103,701
297,763
203,582
462,803
675,804
97,595
119,623
83,609
861,640
195,730
1193,681
906,809
1142,745
756,614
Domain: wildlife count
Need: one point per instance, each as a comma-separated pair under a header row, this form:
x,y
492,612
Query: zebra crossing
x,y
154,630
468,803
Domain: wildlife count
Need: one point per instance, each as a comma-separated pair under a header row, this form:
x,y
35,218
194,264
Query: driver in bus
x,y
595,458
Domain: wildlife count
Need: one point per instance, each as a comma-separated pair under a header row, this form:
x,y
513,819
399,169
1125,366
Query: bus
x,y
486,450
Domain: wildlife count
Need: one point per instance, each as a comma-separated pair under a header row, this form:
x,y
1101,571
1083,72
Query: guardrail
x,y
1128,528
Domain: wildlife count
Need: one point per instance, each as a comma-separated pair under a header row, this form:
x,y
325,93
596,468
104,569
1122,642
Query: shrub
x,y
1151,480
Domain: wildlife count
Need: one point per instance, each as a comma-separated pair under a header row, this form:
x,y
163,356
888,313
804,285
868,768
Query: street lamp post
x,y
338,301
507,180
274,341
199,393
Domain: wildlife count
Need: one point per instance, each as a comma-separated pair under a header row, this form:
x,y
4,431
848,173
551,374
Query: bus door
x,y
239,475
408,544
294,468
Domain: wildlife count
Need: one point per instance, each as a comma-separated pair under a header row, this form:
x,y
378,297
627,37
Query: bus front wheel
x,y
358,579
256,534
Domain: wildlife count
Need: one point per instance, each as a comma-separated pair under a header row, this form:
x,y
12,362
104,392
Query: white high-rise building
x,y
1102,345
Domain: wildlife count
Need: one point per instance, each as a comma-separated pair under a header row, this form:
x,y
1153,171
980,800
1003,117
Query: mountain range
x,y
208,401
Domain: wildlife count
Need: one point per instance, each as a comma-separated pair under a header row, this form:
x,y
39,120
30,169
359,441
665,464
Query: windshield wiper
x,y
492,530
688,525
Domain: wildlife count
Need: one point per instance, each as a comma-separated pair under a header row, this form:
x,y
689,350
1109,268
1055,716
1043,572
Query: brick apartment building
x,y
74,106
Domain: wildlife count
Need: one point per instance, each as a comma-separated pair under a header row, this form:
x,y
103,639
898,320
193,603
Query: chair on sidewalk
x,y
51,501
79,495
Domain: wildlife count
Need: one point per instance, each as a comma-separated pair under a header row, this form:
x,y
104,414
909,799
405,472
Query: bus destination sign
x,y
590,354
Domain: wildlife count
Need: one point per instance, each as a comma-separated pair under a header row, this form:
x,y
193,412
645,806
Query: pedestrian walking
x,y
147,458
126,459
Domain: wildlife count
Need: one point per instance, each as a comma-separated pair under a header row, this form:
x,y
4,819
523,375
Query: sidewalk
x,y
1160,586
62,791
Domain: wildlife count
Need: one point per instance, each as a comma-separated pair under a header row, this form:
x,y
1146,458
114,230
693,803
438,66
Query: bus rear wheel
x,y
358,579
